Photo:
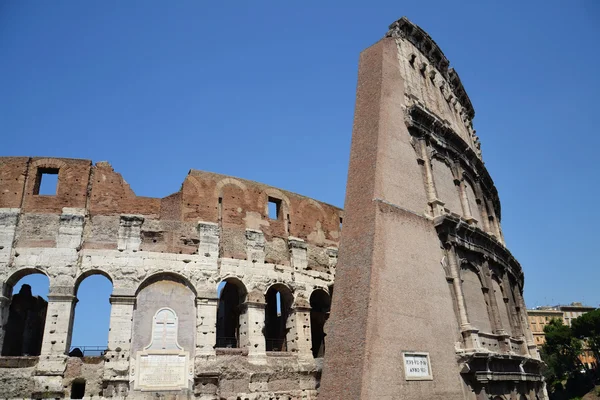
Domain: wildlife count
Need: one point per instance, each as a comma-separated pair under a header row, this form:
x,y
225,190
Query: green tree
x,y
561,352
587,327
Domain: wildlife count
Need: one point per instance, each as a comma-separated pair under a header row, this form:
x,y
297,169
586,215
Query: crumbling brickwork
x,y
216,298
170,253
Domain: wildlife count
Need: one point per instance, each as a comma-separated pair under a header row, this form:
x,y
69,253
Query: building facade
x,y
428,299
541,316
215,298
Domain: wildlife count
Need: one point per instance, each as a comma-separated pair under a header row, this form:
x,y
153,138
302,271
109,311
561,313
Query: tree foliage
x,y
587,328
561,351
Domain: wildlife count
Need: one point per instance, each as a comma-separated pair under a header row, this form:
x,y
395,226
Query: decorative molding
x,y
421,122
405,29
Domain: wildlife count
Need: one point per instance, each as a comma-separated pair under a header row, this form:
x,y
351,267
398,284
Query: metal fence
x,y
227,342
276,344
87,351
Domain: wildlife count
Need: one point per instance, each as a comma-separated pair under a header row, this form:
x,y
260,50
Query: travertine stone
x,y
70,230
129,232
8,226
416,180
421,208
59,319
206,321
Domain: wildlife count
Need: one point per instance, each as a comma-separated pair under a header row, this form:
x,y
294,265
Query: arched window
x,y
279,303
91,320
320,304
24,324
231,297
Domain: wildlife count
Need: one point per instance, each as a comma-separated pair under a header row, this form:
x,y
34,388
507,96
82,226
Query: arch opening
x,y
279,300
23,318
91,317
320,305
78,389
232,294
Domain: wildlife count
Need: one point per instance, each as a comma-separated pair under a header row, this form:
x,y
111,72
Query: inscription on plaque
x,y
417,366
162,371
163,364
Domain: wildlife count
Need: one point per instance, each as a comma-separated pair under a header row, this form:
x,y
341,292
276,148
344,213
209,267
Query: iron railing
x,y
87,351
276,344
226,342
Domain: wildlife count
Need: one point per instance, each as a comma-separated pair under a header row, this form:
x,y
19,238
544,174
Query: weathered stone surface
x,y
158,253
421,271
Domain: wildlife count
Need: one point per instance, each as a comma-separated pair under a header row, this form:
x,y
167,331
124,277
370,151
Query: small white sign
x,y
417,366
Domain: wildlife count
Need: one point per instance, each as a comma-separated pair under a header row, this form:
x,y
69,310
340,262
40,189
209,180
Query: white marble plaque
x,y
163,364
417,366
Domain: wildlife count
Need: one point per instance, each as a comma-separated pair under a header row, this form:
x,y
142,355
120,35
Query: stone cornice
x,y
453,230
425,123
405,29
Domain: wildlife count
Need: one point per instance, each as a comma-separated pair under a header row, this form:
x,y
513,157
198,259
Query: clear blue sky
x,y
265,90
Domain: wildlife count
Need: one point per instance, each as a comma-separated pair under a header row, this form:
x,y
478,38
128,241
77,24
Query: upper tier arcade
x,y
431,83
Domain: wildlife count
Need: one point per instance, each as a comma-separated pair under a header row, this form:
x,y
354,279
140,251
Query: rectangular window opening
x,y
274,208
46,182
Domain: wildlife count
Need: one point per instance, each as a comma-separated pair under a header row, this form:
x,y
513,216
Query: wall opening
x,y
320,305
46,182
274,208
276,315
231,298
78,389
91,320
24,325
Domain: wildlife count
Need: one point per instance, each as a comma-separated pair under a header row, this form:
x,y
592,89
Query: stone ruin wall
x,y
413,106
215,229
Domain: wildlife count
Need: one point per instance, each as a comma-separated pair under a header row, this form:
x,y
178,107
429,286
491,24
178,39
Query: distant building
x,y
541,316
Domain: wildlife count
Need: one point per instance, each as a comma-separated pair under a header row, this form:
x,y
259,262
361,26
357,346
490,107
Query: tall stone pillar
x,y
436,205
116,369
56,341
392,304
251,331
206,326
469,333
4,311
59,321
299,336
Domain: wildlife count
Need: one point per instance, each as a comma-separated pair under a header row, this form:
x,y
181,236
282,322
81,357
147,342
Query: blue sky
x,y
265,90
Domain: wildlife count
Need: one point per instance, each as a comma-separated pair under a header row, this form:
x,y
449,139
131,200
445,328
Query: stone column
x,y
4,311
437,206
116,368
70,230
469,333
252,323
56,341
464,199
130,232
208,236
495,311
494,223
255,246
485,223
298,253
299,338
206,326
531,346
8,224
59,321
